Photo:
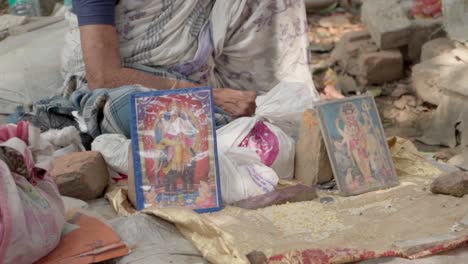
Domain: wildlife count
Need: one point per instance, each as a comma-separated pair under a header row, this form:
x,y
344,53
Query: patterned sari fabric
x,y
32,213
240,44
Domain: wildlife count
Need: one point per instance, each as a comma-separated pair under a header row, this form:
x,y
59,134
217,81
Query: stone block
x,y
291,194
312,165
455,184
422,31
381,66
81,175
427,76
436,47
348,49
449,124
387,23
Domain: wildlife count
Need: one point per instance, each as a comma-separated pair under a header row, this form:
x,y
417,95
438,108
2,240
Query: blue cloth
x,y
108,110
95,12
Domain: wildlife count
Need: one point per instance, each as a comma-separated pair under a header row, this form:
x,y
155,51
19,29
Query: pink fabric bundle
x,y
32,213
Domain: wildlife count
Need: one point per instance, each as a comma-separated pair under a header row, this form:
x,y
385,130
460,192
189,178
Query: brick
x,y
387,23
422,31
81,175
455,184
312,165
381,66
436,47
291,194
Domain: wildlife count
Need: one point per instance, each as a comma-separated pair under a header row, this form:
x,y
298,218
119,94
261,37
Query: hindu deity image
x,y
358,145
177,160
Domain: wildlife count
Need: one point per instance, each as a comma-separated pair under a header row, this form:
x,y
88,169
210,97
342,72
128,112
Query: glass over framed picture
x,y
356,145
174,150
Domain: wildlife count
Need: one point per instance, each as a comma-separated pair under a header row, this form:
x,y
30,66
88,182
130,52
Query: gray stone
x,y
381,66
387,23
348,49
456,80
347,85
422,31
455,184
450,118
427,76
460,161
436,47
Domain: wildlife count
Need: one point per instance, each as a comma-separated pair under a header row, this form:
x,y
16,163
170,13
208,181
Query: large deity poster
x,y
174,148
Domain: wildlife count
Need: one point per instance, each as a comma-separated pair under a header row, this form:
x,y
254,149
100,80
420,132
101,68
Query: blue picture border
x,y
140,199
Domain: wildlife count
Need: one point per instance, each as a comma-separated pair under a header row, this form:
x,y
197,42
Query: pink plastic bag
x,y
32,213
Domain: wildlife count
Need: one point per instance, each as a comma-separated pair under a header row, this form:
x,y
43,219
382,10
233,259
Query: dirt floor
x,y
408,120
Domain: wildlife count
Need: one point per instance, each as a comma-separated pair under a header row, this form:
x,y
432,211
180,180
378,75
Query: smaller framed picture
x,y
174,150
356,145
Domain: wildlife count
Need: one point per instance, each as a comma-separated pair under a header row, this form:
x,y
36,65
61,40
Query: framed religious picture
x,y
174,150
357,148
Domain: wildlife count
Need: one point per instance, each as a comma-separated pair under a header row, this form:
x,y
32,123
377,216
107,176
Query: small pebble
x,y
326,200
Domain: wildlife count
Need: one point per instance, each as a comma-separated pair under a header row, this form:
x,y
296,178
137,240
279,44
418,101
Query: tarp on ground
x,y
365,226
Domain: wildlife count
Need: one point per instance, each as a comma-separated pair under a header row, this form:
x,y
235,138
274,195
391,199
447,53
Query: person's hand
x,y
330,93
235,102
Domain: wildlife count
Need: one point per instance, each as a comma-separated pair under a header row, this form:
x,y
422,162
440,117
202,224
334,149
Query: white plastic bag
x,y
243,175
32,213
272,145
284,105
278,111
114,150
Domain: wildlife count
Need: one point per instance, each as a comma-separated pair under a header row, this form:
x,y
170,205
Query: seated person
x,y
240,47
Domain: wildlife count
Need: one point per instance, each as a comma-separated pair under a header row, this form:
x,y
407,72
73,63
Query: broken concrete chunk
x,y
422,31
460,161
400,90
347,85
81,175
456,80
312,165
455,184
387,23
348,49
436,47
451,113
427,77
380,67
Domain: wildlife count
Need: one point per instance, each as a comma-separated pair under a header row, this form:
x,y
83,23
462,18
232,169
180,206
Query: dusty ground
x,y
407,120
